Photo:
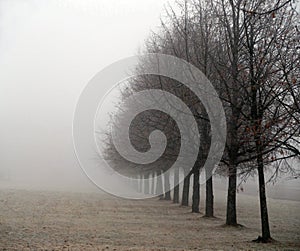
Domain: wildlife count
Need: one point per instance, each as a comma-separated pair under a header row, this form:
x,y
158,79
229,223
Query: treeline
x,y
249,50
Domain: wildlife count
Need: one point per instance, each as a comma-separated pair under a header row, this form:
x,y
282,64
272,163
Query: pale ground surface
x,y
36,220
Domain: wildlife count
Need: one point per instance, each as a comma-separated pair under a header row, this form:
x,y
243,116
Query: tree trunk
x,y
146,184
196,192
153,183
140,189
167,186
176,187
266,235
231,197
209,199
159,185
186,190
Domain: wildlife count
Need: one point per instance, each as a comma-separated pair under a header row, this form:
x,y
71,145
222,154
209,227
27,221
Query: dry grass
x,y
35,220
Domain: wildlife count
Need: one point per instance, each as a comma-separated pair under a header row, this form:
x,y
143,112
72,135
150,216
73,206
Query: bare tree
x,y
249,50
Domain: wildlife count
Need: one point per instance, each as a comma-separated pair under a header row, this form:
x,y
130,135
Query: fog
x,y
49,51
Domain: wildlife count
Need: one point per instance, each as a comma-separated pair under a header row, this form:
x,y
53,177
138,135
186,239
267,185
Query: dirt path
x,y
33,220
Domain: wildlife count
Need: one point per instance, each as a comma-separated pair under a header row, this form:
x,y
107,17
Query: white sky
x,y
49,50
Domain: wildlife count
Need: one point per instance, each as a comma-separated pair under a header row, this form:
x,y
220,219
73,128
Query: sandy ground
x,y
37,220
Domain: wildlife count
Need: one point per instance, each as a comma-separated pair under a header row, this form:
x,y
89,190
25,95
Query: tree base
x,y
209,217
236,225
263,240
183,205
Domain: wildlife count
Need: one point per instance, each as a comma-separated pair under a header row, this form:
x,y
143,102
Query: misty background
x,y
49,50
